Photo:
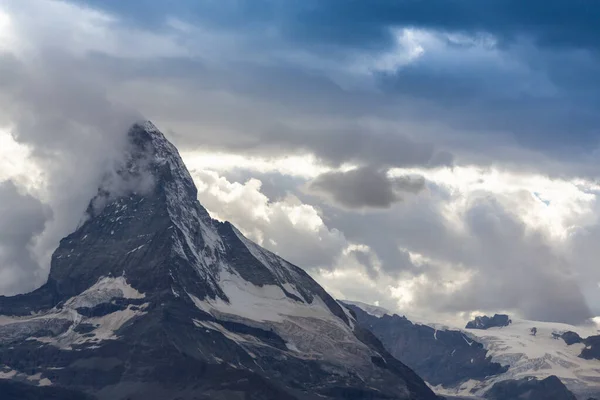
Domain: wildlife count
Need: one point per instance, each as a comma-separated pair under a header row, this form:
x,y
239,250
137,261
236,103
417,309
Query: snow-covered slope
x,y
541,355
150,298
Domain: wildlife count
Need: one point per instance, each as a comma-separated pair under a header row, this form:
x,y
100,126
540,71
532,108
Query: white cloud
x,y
471,225
556,206
410,45
287,227
496,222
37,24
16,164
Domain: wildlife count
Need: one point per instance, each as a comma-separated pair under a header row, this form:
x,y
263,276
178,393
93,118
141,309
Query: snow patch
x,y
291,346
45,382
104,290
466,389
136,249
14,374
8,374
310,329
260,303
105,328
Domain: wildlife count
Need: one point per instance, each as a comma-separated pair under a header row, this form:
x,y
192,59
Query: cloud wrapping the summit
x,y
54,109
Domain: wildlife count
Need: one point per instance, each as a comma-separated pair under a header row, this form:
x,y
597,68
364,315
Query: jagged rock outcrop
x,y
485,322
571,337
591,350
152,299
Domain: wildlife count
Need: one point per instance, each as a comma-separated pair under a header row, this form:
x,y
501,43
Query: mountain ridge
x,y
445,357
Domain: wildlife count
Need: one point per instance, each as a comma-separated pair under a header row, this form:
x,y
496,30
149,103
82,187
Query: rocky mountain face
x,y
499,360
152,299
23,391
550,388
591,350
441,357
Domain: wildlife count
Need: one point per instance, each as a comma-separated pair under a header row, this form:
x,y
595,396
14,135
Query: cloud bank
x,y
438,159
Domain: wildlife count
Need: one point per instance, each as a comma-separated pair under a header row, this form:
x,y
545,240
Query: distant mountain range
x,y
493,357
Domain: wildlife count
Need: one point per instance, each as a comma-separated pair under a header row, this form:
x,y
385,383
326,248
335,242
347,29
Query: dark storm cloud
x,y
381,149
257,112
538,90
365,187
366,24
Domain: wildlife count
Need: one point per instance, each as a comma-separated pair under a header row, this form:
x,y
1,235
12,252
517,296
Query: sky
x,y
438,158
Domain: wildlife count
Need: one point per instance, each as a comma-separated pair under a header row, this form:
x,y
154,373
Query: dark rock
x,y
12,390
550,388
571,338
84,328
443,357
485,322
592,348
100,310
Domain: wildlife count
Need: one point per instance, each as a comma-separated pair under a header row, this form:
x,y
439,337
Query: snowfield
x,y
541,355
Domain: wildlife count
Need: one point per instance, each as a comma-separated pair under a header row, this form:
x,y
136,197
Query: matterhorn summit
x,y
150,298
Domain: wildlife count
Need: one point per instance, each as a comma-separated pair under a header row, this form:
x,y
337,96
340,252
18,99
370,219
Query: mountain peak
x,y
148,164
179,302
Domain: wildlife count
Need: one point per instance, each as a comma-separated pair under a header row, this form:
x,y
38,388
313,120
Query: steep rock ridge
x,y
150,298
